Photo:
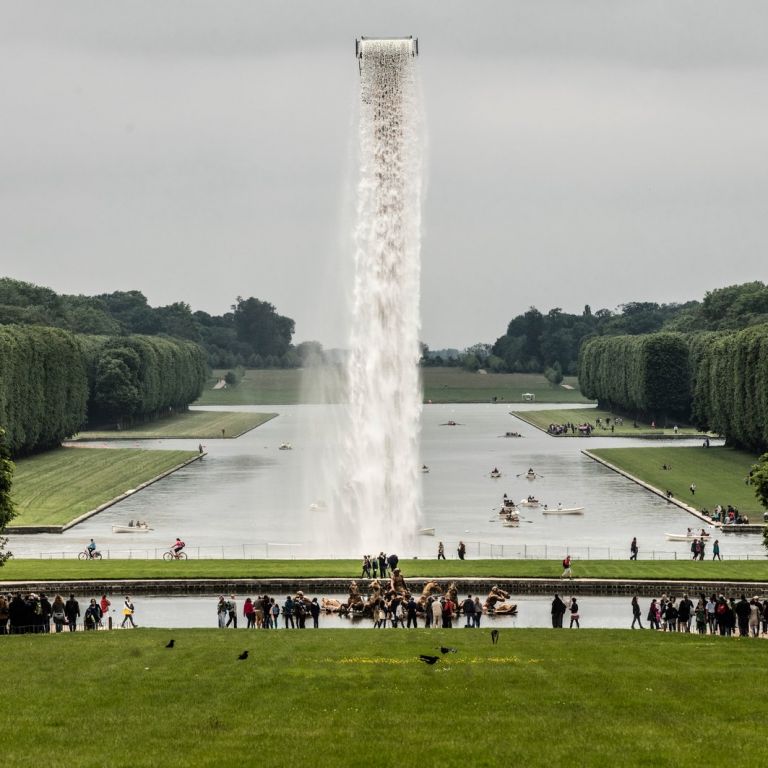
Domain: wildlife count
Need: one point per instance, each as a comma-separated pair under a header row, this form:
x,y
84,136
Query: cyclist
x,y
91,548
177,546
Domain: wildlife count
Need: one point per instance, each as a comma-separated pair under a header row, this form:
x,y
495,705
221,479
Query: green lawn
x,y
345,698
197,425
719,474
441,385
43,570
542,420
58,486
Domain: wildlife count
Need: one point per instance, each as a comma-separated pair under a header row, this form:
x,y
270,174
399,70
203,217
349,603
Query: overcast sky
x,y
579,152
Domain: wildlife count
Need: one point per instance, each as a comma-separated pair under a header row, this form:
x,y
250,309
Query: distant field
x,y
441,385
58,486
540,697
55,570
719,474
542,420
197,425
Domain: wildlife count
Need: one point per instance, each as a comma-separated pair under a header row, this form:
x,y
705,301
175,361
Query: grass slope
x,y
542,420
719,474
45,570
58,486
197,425
441,385
339,697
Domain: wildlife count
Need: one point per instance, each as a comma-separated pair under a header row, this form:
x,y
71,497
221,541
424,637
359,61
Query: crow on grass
x,y
171,643
429,659
443,649
243,656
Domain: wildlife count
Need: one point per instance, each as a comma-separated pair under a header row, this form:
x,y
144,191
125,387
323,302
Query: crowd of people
x,y
37,613
727,515
263,612
714,615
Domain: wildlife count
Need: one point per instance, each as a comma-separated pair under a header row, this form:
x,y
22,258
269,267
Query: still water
x,y
249,499
533,611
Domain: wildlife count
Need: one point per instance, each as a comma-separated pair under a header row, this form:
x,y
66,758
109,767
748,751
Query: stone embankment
x,y
328,586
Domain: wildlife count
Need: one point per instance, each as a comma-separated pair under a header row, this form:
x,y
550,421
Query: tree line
x,y
252,334
53,382
550,342
717,380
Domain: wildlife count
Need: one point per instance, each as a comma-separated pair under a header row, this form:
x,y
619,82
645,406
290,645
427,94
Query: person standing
x,y
716,550
104,604
57,613
440,551
274,609
72,611
684,609
574,609
437,614
478,612
128,611
314,610
448,609
249,613
221,611
92,615
468,606
653,615
633,549
462,550
45,612
636,613
743,611
382,565
558,611
411,614
366,567
288,612
692,489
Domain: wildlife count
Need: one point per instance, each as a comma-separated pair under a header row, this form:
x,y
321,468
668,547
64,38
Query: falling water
x,y
377,505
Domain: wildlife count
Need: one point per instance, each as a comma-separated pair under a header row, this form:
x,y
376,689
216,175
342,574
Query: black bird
x,y
243,656
171,643
494,636
429,659
443,649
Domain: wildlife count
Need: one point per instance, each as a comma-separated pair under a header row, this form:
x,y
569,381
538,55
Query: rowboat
x,y
511,523
285,447
495,474
563,511
141,528
686,536
426,531
529,502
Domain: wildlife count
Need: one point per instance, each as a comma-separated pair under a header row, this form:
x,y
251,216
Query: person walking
x,y
440,551
574,609
636,613
221,612
72,611
692,489
567,572
231,612
716,550
128,611
479,611
633,549
57,613
366,567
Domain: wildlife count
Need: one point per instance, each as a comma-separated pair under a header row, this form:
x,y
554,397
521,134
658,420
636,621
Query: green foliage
x,y
43,387
647,375
258,326
554,375
7,506
758,479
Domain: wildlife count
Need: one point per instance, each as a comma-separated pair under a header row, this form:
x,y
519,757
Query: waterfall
x,y
378,502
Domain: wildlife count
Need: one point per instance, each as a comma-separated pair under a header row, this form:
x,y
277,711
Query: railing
x,y
475,550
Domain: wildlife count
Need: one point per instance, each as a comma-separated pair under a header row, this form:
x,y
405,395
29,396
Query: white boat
x,y
686,536
426,531
140,528
285,447
511,523
529,502
563,511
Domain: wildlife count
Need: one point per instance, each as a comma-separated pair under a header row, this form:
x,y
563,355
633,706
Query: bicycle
x,y
87,554
171,555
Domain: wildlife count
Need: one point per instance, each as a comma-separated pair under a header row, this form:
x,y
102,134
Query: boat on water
x,y
426,531
285,447
495,474
512,434
425,469
132,528
511,522
563,511
529,502
686,536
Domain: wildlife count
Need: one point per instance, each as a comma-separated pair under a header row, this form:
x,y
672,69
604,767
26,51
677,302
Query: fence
x,y
475,550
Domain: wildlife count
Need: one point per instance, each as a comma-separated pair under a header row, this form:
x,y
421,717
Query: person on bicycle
x,y
91,548
177,547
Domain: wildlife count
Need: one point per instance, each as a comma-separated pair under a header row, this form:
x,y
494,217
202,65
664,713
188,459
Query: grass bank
x,y
537,698
542,420
197,425
53,570
719,474
441,385
60,485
